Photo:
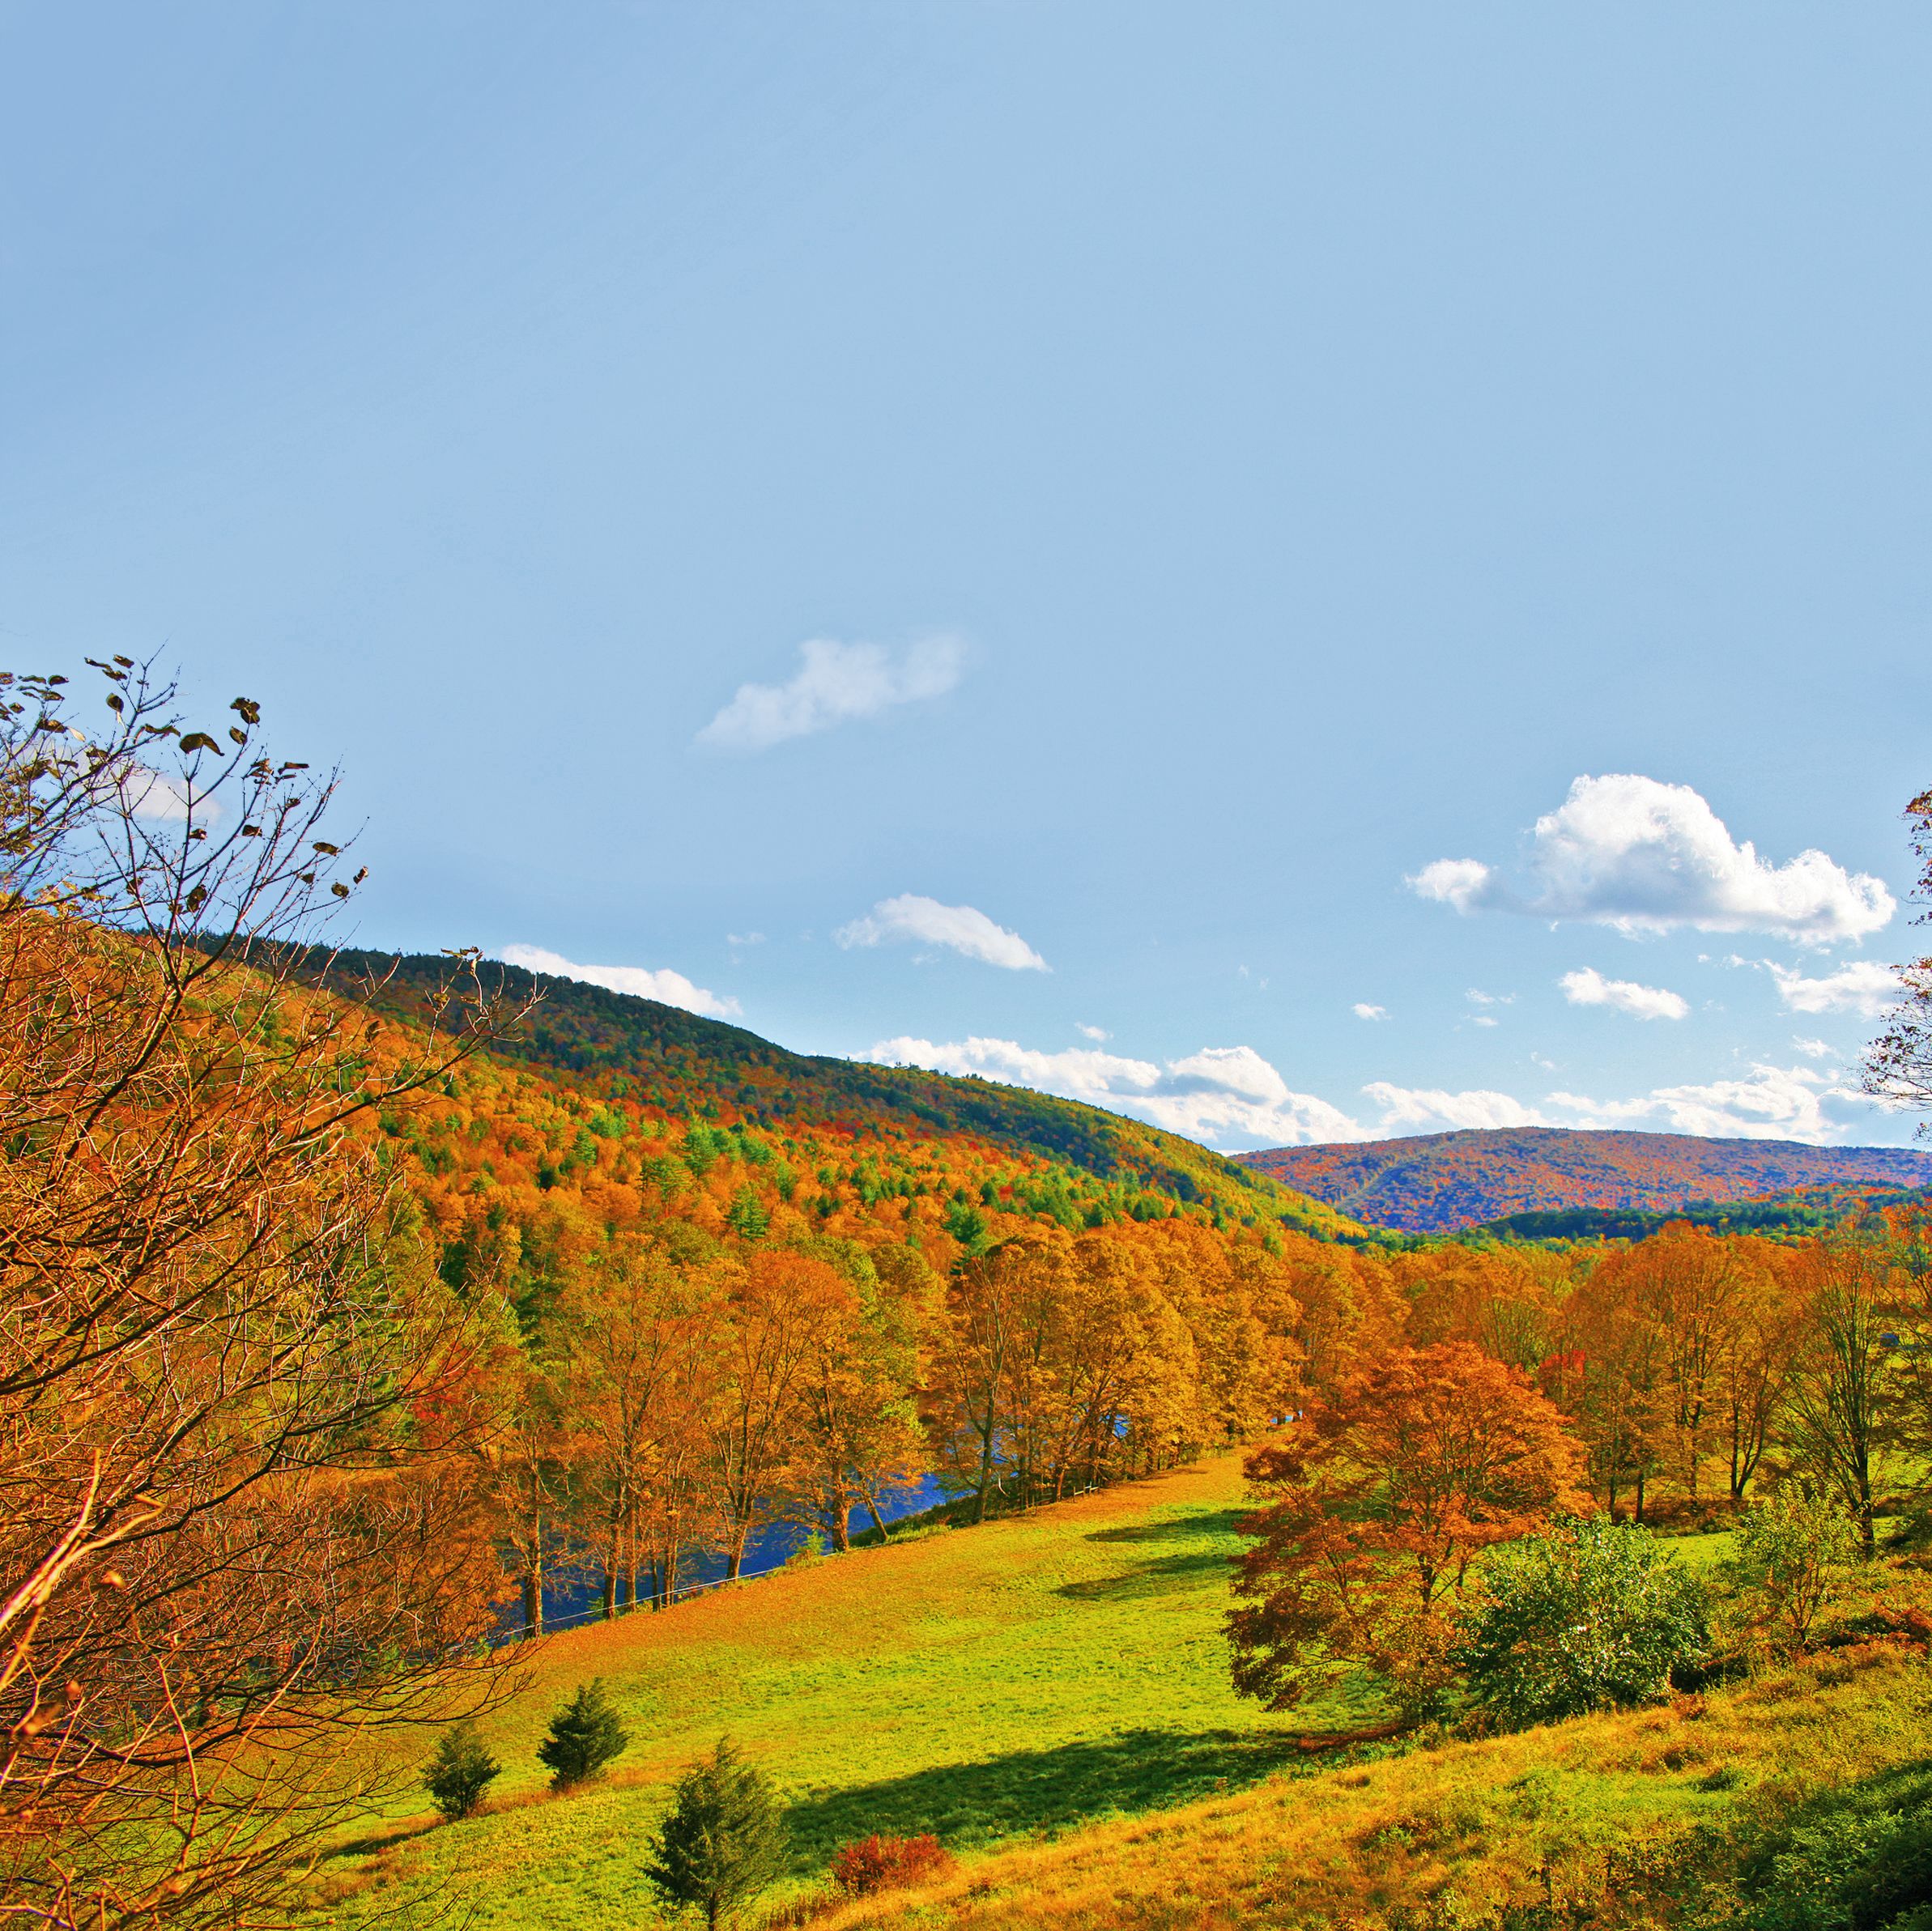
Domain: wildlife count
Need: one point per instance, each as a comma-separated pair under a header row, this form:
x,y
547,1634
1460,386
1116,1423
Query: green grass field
x,y
1049,1696
991,1685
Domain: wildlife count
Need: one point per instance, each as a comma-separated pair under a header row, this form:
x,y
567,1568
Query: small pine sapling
x,y
460,1772
724,1839
584,1735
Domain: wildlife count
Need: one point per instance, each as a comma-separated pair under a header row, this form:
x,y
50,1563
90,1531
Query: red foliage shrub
x,y
877,1863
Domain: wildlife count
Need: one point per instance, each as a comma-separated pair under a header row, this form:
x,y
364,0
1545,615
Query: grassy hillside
x,y
1620,1819
1435,1183
607,1045
1048,1695
986,1684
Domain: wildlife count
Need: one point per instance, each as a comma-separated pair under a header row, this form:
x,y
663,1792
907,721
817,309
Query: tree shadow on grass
x,y
964,1804
1216,1521
1153,1578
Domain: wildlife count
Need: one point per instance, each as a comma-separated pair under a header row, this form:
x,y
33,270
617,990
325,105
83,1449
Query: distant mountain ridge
x,y
1436,1183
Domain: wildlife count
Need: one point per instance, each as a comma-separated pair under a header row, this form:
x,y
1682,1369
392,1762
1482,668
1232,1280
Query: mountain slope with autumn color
x,y
1435,1183
619,1062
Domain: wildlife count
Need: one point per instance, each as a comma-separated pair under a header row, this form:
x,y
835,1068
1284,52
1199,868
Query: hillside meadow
x,y
990,1685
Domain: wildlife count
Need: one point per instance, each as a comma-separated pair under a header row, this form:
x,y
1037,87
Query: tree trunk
x,y
533,1605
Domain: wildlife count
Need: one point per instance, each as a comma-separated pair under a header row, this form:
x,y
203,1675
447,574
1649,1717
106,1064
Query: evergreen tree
x,y
748,1217
460,1772
724,1839
584,1735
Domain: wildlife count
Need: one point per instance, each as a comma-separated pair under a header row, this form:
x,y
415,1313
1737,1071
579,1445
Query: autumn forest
x,y
356,1309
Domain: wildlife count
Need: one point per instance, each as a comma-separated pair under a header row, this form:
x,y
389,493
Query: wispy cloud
x,y
1863,986
1589,987
1092,1033
1225,1096
959,928
666,987
835,684
1646,858
1364,1010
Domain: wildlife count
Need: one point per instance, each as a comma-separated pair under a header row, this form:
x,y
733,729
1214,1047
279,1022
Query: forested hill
x,y
1435,1183
610,1045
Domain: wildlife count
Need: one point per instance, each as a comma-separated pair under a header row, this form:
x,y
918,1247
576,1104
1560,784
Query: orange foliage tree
x,y
240,1518
1381,1498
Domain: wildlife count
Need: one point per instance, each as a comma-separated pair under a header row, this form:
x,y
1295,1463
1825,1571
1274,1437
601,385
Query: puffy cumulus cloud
x,y
1412,1109
1771,1103
1589,987
959,928
1863,986
1364,1010
1226,1094
1462,882
666,987
1811,1048
835,684
1648,857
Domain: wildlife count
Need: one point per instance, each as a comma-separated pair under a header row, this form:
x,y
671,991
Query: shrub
x,y
1589,1614
584,1735
878,1863
460,1772
724,1840
1786,1560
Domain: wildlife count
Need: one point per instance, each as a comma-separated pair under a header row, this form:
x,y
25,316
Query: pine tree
x,y
584,1735
460,1772
724,1839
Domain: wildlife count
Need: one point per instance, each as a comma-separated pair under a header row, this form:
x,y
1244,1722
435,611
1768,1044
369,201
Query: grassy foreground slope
x,y
1611,1820
986,1684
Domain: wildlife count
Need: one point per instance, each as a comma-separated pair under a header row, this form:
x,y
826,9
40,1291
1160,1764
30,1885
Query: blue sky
x,y
1080,541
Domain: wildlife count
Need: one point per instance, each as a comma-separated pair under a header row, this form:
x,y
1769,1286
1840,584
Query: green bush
x,y
1786,1560
584,1735
1855,1859
724,1839
1589,1614
460,1772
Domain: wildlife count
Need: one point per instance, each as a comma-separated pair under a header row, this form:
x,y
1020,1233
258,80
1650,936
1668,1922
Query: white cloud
x,y
1432,1110
154,795
1458,881
1812,1048
1648,857
1482,1018
1228,1095
1589,987
1771,1103
1476,997
744,938
1776,1102
835,682
1863,986
1364,1010
927,922
1092,1033
666,987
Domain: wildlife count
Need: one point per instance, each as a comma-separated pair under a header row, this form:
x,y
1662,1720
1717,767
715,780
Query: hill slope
x,y
614,1046
1433,1183
987,1684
